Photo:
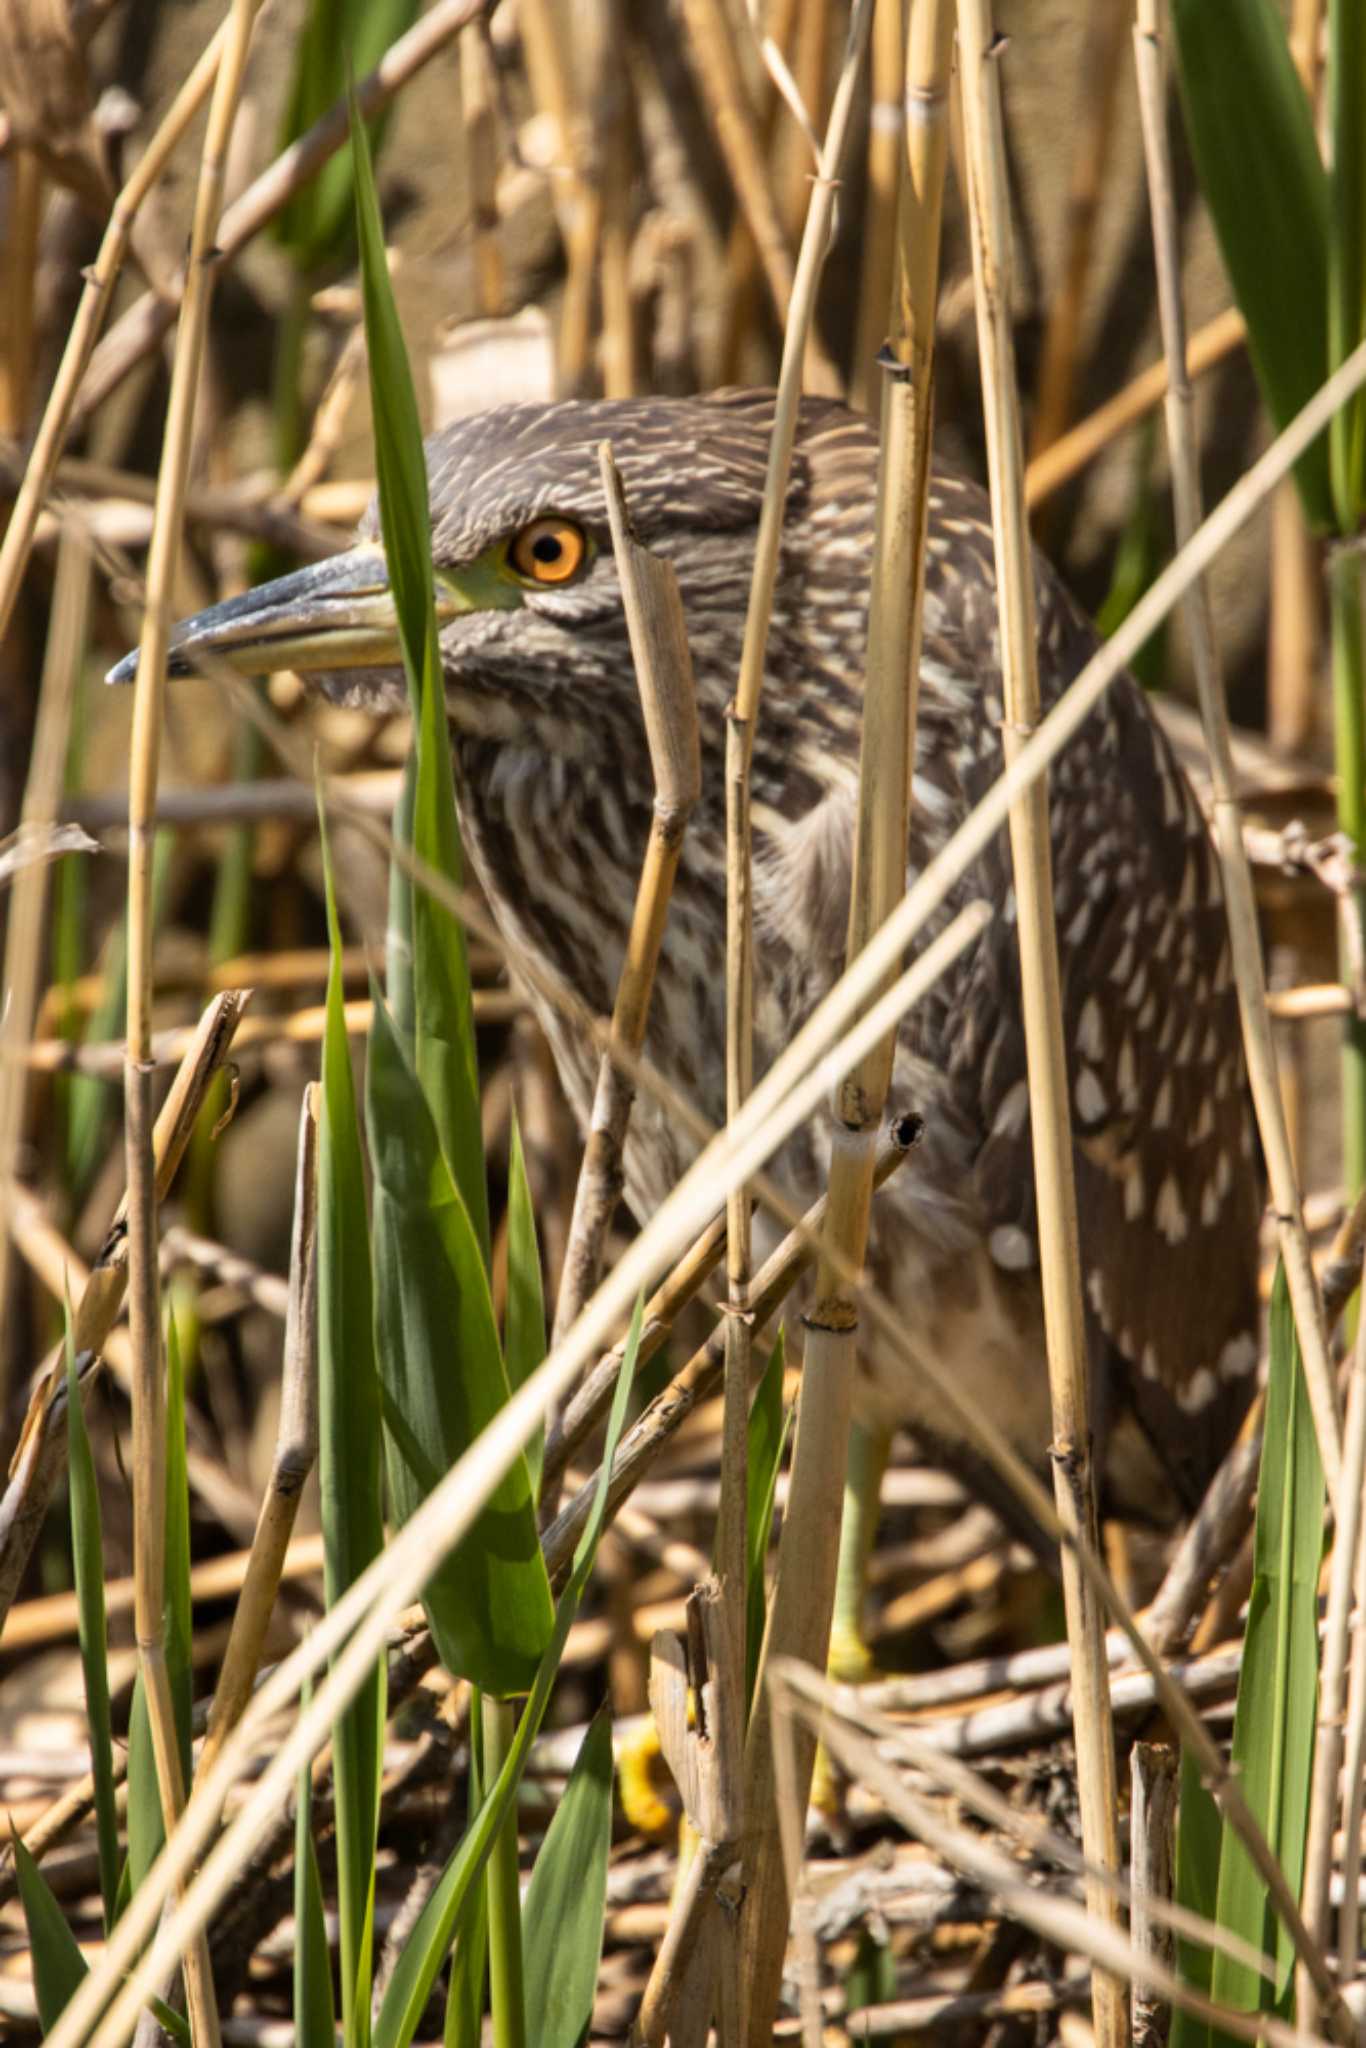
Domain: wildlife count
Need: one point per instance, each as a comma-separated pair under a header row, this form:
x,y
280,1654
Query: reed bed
x,y
342,1691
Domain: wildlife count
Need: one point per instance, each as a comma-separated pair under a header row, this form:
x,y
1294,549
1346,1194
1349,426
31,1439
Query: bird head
x,y
528,601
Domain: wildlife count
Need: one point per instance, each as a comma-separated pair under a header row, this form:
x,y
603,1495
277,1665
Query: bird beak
x,y
332,615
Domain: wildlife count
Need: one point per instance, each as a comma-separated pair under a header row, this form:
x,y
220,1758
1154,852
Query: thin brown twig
x,y
1152,1875
1074,1478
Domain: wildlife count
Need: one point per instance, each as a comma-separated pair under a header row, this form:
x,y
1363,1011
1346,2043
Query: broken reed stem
x,y
804,1588
296,1451
149,1417
1333,1685
355,1628
100,280
1041,991
1239,895
1152,1873
664,677
26,926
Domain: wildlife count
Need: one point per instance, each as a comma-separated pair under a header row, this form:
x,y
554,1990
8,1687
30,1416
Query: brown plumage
x,y
554,789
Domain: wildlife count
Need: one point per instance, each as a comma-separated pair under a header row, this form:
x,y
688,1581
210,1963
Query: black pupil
x,y
547,547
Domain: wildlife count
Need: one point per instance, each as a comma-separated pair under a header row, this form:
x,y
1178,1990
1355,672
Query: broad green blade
x,y
348,1468
441,1365
443,1019
179,1602
1252,137
58,1965
767,1435
87,1550
445,1910
524,1340
566,1901
1273,1726
1346,89
1199,1838
315,223
315,2021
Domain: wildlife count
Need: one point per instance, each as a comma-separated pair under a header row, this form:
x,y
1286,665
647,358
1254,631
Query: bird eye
x,y
548,551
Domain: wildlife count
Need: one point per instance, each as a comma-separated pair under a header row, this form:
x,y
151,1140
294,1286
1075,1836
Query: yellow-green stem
x,y
506,2000
1349,739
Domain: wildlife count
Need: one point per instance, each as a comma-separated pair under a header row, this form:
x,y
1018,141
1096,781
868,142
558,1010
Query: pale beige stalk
x,y
149,1412
803,1594
1074,1482
1239,895
1152,1875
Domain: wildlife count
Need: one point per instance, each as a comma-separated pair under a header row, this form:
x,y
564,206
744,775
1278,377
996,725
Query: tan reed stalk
x,y
1069,455
778,1105
1152,1872
296,1451
40,1455
137,332
1293,631
149,1415
1354,1781
18,274
1074,1480
480,132
1055,390
803,1594
1326,1786
1239,894
809,73
664,678
100,280
355,1629
301,1027
26,926
616,144
886,142
576,183
741,263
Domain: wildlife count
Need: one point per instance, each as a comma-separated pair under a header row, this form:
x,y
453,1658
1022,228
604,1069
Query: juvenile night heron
x,y
554,788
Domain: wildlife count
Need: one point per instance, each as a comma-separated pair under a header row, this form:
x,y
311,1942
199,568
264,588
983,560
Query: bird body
x,y
554,789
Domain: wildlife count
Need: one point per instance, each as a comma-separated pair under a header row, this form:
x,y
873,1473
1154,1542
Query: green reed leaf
x,y
524,1335
58,1965
87,1551
565,1907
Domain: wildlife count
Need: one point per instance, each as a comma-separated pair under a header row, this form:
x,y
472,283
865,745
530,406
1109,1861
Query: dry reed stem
x,y
356,1628
447,1514
300,1027
575,186
664,678
1293,631
886,144
1325,1786
944,2009
148,1394
39,1457
1074,1479
1102,52
26,926
98,290
1152,1871
479,130
138,331
1069,455
1239,895
296,1451
803,1595
24,215
1058,1919
742,717
1354,1779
